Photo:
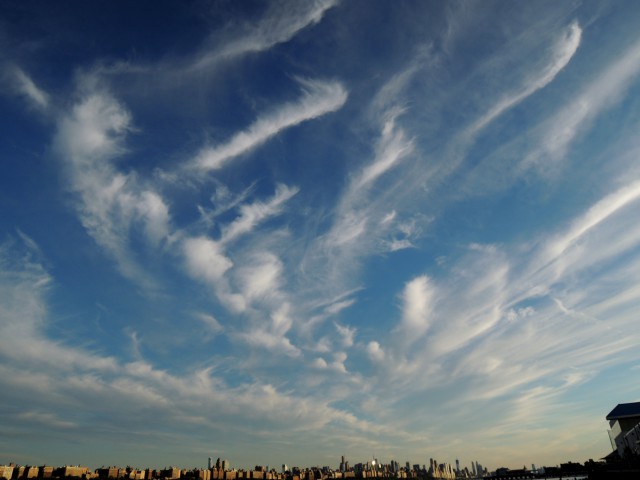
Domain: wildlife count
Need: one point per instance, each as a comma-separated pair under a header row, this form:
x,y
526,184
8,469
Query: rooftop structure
x,y
624,421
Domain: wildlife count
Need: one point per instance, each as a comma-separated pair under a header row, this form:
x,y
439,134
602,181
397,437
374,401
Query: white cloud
x,y
336,307
511,327
319,99
60,382
395,245
88,140
263,338
575,117
253,214
205,259
375,351
213,326
261,279
392,147
23,85
561,54
320,364
282,21
598,213
24,286
346,333
272,334
352,234
155,213
418,302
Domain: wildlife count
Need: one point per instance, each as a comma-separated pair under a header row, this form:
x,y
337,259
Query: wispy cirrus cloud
x,y
252,214
24,288
89,139
59,381
577,115
510,323
282,21
358,297
319,98
355,213
393,146
560,56
598,213
23,85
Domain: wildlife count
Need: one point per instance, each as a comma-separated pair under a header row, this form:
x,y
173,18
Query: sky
x,y
282,232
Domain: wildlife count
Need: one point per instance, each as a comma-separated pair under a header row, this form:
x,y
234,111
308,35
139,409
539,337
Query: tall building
x,y
457,466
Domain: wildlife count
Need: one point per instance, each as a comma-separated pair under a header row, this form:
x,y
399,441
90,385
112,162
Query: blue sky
x,y
282,232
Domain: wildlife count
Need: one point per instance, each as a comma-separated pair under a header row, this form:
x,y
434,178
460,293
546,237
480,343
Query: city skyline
x,y
279,231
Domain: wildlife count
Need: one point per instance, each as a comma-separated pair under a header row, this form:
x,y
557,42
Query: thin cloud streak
x,y
575,117
561,55
282,21
252,214
25,86
319,99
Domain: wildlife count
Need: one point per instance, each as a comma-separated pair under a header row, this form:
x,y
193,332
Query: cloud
x,y
597,214
281,22
320,363
319,99
152,208
252,214
346,333
561,54
89,138
261,278
507,329
337,365
213,326
272,336
59,383
396,245
375,352
205,259
23,85
418,299
576,116
336,307
24,288
392,147
357,211
543,316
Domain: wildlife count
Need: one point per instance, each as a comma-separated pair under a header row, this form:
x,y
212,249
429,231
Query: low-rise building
x,y
30,472
71,471
203,474
6,471
45,471
623,419
171,473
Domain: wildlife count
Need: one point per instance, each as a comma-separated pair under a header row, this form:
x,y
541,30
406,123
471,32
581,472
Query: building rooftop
x,y
625,410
